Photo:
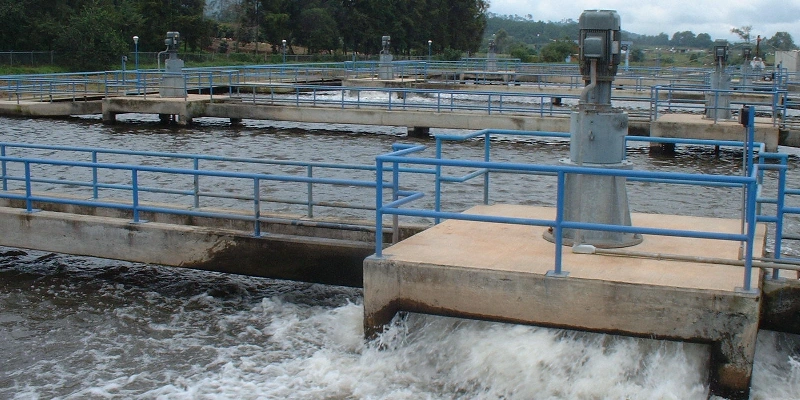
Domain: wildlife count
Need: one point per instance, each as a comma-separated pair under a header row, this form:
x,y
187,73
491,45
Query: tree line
x,y
355,25
94,34
522,35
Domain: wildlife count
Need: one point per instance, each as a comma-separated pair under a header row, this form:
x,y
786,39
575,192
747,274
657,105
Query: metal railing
x,y
95,177
676,99
671,89
390,99
401,199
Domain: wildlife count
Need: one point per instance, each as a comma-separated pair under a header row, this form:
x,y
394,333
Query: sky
x,y
715,17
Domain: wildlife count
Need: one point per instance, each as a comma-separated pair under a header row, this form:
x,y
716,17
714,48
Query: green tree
x,y
95,28
703,41
781,41
683,39
558,50
318,30
637,55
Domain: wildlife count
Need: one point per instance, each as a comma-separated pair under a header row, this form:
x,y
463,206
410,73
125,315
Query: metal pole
x,y
136,60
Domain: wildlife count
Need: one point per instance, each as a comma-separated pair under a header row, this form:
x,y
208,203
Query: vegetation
x,y
522,37
94,34
355,25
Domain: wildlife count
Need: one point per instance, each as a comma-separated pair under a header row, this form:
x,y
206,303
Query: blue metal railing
x,y
403,156
20,175
24,178
408,99
402,197
673,98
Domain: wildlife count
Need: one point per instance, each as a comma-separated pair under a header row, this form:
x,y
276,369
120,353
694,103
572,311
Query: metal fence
x,y
402,194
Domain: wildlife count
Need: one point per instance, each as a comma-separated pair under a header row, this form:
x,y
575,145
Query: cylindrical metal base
x,y
597,141
597,199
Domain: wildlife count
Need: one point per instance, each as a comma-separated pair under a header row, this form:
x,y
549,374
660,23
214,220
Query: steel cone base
x,y
599,199
597,239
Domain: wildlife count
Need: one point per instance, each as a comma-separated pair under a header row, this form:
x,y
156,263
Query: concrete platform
x,y
498,272
45,109
689,126
184,108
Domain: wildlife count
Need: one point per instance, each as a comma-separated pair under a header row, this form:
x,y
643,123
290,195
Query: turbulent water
x,y
77,328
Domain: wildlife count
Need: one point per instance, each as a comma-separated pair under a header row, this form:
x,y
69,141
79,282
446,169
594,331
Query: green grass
x,y
23,70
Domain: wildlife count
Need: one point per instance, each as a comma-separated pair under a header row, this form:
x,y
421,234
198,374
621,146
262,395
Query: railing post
x,y
3,169
310,185
395,197
486,158
776,253
751,232
135,193
437,196
28,201
378,207
196,189
95,194
257,207
211,85
557,230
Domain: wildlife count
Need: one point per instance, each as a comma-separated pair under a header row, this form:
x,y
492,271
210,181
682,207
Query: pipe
x,y
766,263
592,82
158,59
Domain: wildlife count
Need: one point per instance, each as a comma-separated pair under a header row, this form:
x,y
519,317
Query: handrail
x,y
18,169
558,224
391,162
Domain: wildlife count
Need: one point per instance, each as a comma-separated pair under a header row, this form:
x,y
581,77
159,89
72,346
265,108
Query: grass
x,y
25,70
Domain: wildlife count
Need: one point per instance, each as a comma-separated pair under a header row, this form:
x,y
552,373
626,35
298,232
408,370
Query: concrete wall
x,y
789,60
427,118
308,259
726,321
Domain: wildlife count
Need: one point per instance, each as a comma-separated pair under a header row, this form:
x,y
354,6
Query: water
x,y
77,328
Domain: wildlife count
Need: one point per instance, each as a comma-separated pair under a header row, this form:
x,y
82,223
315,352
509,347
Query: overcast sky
x,y
715,17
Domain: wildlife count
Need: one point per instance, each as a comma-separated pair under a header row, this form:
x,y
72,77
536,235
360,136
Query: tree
x,y
95,28
703,40
781,41
637,55
683,39
558,50
318,30
500,39
743,32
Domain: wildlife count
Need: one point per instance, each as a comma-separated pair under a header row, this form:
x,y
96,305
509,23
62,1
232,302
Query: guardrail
x,y
236,80
405,99
404,157
679,99
778,162
103,178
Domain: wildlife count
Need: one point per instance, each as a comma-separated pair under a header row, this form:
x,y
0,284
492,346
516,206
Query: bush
x,y
451,54
525,54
